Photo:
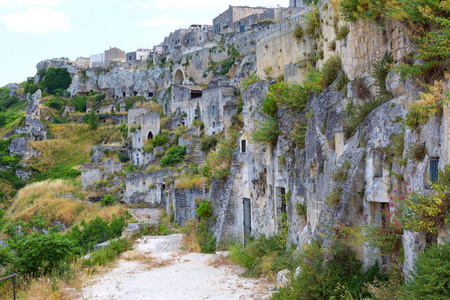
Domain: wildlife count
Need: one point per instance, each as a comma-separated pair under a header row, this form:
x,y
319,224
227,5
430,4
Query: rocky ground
x,y
158,269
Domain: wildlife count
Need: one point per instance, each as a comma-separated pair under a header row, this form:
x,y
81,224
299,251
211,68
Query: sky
x,y
35,30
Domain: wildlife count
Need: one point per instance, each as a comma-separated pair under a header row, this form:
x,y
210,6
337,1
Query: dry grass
x,y
219,260
190,181
146,259
190,236
71,144
40,198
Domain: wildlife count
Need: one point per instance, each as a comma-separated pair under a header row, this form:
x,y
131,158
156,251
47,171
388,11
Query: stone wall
x,y
276,47
214,108
184,205
150,188
112,55
94,172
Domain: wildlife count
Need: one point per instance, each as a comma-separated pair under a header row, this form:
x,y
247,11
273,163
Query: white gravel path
x,y
187,276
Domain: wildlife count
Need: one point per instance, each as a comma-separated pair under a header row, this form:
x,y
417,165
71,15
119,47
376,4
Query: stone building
x,y
213,106
224,22
104,60
139,55
143,125
150,188
91,173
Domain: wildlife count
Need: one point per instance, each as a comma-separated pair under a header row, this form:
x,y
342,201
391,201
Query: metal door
x,y
247,218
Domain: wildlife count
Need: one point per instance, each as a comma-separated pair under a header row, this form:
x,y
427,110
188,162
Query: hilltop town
x,y
319,126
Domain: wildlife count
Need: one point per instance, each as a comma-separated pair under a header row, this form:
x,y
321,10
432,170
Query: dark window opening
x,y
243,146
196,94
124,94
434,174
163,187
139,140
135,93
97,111
150,94
214,124
150,135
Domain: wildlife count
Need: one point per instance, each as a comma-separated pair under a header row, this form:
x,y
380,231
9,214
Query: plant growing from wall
x,y
334,197
312,20
380,71
340,174
298,33
298,134
266,131
342,32
416,152
356,114
427,212
330,70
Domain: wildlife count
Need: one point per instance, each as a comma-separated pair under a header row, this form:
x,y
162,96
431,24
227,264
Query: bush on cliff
x,y
56,78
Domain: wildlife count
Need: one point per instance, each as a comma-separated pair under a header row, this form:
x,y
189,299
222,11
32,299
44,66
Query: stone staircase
x,y
198,154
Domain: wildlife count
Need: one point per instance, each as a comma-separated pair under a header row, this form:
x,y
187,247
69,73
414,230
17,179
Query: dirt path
x,y
157,270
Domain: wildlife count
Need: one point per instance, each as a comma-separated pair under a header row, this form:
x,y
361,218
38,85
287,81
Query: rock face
x,y
35,129
21,147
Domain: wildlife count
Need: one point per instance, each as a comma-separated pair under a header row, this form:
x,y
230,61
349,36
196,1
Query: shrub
x,y
430,104
123,157
33,252
109,200
266,131
55,103
302,209
56,78
342,32
431,276
330,70
107,254
416,151
358,113
320,278
335,197
332,45
380,71
298,134
312,20
59,171
174,156
264,255
79,103
249,80
340,174
92,120
160,140
208,143
299,33
87,235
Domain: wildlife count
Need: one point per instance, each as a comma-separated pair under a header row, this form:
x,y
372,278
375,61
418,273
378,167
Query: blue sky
x,y
34,30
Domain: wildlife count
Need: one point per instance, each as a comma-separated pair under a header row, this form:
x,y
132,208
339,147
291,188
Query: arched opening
x,y
178,78
150,135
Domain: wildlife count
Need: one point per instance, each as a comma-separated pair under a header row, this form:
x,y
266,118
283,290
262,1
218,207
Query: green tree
x,y
92,120
431,276
56,78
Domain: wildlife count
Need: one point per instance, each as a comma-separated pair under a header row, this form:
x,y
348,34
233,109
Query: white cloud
x,y
36,20
163,20
15,3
